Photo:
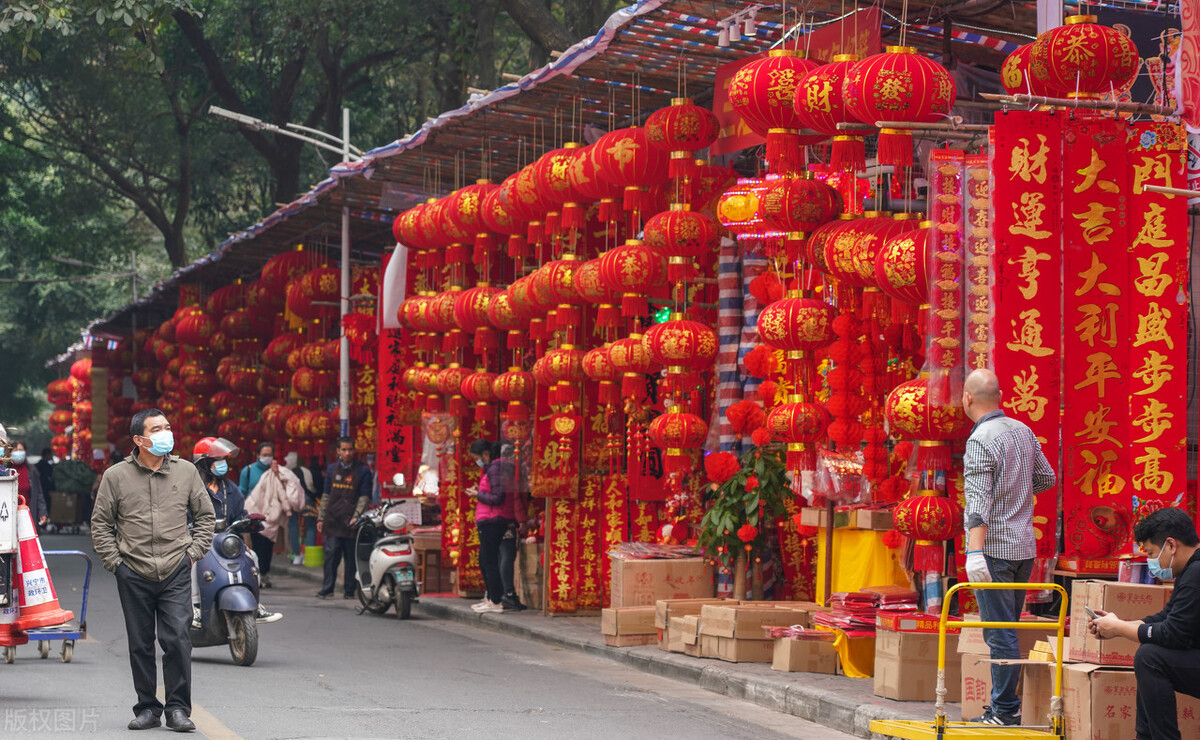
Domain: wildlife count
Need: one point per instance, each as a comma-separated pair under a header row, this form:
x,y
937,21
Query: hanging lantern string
x,y
903,22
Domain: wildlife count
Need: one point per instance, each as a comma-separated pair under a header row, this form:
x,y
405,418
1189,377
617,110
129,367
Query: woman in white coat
x,y
276,495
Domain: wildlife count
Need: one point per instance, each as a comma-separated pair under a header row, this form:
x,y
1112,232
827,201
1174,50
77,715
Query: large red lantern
x,y
599,368
586,180
471,316
901,268
898,85
196,329
928,518
857,265
624,157
315,294
682,235
479,388
796,324
464,208
681,343
562,369
81,371
306,382
595,291
241,325
632,270
916,411
406,227
516,388
1082,59
819,106
630,358
276,354
798,204
503,315
1016,77
800,425
501,217
679,434
763,92
681,129
284,268
224,300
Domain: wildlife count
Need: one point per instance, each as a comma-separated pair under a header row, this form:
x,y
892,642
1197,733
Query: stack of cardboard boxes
x,y
906,657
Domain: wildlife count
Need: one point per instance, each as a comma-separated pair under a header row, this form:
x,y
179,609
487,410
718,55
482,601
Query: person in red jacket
x,y
496,520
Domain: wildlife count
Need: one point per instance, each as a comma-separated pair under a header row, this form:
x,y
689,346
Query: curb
x,y
840,703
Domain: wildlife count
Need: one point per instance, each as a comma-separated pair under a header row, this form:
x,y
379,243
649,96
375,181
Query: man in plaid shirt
x,y
1003,469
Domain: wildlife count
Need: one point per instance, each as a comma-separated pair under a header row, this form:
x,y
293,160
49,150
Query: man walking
x,y
1003,469
147,498
347,493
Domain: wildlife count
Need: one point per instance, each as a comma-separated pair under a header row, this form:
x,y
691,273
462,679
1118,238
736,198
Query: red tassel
x,y
484,412
553,222
849,154
573,215
459,406
608,210
607,315
516,411
518,247
485,244
457,254
633,385
517,340
677,461
534,232
567,317
683,164
784,153
928,556
434,404
634,198
895,147
485,341
634,305
933,456
610,393
681,269
537,330
568,393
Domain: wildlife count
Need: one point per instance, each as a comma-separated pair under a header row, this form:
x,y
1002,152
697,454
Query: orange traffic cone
x,y
36,598
9,634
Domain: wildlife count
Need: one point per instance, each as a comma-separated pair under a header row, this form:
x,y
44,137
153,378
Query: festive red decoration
x,y
1016,77
681,343
681,234
760,437
900,266
798,204
747,533
1083,59
283,268
226,299
767,390
766,289
681,129
892,539
81,371
760,362
819,105
762,92
678,434
928,518
795,324
721,466
471,315
516,387
630,358
745,417
632,270
801,425
624,157
898,85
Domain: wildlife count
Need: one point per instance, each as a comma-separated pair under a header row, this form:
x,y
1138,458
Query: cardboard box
x,y
708,646
672,640
527,574
906,666
746,622
876,519
1127,601
1093,566
812,516
809,656
912,622
628,620
1037,686
629,640
691,635
970,640
667,609
644,582
742,651
976,689
1101,702
64,508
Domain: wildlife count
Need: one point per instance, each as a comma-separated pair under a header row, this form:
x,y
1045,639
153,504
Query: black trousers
x,y
168,605
491,535
263,548
1160,672
508,558
337,548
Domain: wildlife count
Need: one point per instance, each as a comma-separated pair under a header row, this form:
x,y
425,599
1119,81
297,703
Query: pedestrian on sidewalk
x,y
347,493
45,469
29,484
265,452
147,497
276,496
305,476
496,521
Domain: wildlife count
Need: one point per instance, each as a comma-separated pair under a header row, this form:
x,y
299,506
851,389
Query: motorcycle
x,y
387,562
228,584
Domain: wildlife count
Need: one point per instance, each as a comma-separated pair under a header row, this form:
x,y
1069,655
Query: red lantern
x,y
801,425
241,325
681,129
632,270
1016,77
224,300
471,315
479,389
796,324
901,268
59,421
624,157
81,371
196,329
681,343
1082,59
928,518
599,368
819,106
406,227
898,85
502,315
791,204
306,382
284,268
563,370
500,217
449,384
516,387
586,180
276,354
315,294
678,434
912,412
681,234
465,209
630,358
593,290
763,92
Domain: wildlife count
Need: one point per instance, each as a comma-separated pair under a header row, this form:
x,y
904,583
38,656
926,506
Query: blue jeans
x,y
294,533
1004,606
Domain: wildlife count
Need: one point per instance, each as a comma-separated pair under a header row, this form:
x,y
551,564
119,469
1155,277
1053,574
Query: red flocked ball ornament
x,y
761,362
747,532
760,437
721,466
745,417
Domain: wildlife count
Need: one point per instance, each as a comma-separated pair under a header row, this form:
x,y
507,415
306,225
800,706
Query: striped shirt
x,y
1003,469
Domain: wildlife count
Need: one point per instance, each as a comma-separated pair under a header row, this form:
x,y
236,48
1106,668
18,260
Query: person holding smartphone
x,y
1168,659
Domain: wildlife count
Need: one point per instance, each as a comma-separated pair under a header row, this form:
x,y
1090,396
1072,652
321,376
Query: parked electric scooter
x,y
228,582
387,562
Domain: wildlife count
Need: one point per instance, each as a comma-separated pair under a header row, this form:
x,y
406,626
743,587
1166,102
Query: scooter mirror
x,y
398,479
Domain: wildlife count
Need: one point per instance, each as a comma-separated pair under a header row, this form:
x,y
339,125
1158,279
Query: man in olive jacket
x,y
140,532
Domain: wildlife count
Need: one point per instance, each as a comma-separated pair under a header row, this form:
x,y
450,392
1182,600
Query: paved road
x,y
324,672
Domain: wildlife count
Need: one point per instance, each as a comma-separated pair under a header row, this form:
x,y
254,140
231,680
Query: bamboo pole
x,y
914,129
1102,105
1172,191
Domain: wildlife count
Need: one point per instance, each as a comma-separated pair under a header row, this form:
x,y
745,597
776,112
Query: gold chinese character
x,y
816,95
1152,327
1096,427
1098,322
1098,478
1028,216
1029,335
1102,369
1095,222
1030,272
1028,165
1153,477
1091,175
1025,399
1154,420
1154,372
1152,282
1154,229
1152,168
1091,277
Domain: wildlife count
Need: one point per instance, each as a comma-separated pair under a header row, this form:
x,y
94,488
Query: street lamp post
x,y
349,154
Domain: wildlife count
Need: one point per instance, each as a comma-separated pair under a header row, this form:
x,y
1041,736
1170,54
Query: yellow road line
x,y
206,723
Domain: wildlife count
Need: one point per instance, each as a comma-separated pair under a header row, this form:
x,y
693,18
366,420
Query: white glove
x,y
977,569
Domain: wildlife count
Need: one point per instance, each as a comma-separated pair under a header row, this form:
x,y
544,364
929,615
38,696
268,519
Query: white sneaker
x,y
262,616
480,606
490,608
298,560
196,618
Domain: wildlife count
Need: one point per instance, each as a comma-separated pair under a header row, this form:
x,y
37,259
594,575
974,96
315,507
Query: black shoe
x,y
264,582
324,594
512,603
145,720
178,721
349,596
991,718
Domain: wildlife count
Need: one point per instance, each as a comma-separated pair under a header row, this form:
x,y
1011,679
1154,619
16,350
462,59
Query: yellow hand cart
x,y
940,727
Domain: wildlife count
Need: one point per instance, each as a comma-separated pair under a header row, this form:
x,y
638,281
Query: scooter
x,y
228,582
387,562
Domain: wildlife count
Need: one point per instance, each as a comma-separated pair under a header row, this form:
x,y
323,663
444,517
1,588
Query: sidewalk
x,y
844,704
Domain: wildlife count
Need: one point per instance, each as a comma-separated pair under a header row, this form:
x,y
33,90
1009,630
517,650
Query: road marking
x,y
206,723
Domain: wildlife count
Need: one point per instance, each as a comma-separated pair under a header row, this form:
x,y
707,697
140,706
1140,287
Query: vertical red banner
x,y
562,582
616,524
397,413
1026,200
1157,316
978,227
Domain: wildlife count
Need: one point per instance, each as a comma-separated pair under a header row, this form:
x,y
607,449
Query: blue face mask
x,y
1156,568
18,456
220,468
161,443
265,461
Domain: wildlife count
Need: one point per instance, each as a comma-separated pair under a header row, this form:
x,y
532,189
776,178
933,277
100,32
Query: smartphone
x,y
1090,613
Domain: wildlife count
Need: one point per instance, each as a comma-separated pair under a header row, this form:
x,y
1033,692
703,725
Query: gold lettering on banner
x,y
1152,283
1091,279
1154,229
1152,327
1096,224
1028,216
1030,272
1029,335
1098,478
1091,176
1154,372
816,96
1153,477
1154,420
1096,427
1098,322
1025,398
1101,370
1152,168
1030,165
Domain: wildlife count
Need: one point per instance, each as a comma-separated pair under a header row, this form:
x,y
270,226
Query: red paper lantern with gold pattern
x,y
59,421
928,518
901,268
912,412
800,425
681,129
624,157
479,389
630,358
242,325
857,266
286,267
449,384
819,106
682,235
224,300
898,85
503,315
471,315
516,388
81,371
276,354
406,227
306,382
196,329
763,92
595,291
681,343
797,206
633,270
1083,59
501,217
599,368
1016,77
679,434
796,324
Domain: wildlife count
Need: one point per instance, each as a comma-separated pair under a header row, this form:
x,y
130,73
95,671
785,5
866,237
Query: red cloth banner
x,y
945,268
615,525
560,566
1096,460
1157,316
589,549
978,232
557,446
397,413
1026,187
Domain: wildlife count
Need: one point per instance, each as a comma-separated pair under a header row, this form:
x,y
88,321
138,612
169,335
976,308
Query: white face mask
x,y
291,459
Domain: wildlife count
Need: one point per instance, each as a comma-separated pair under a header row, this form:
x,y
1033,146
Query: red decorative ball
x,y
682,126
798,423
928,517
676,430
901,270
681,232
1016,77
1083,59
721,466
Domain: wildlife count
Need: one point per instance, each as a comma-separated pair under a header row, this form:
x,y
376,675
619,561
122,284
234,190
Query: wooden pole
x,y
1172,191
1116,107
739,574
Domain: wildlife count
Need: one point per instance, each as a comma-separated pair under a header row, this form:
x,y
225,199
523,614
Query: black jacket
x,y
1178,626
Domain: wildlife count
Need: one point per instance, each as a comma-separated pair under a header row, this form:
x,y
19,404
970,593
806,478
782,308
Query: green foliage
x,y
26,21
733,506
